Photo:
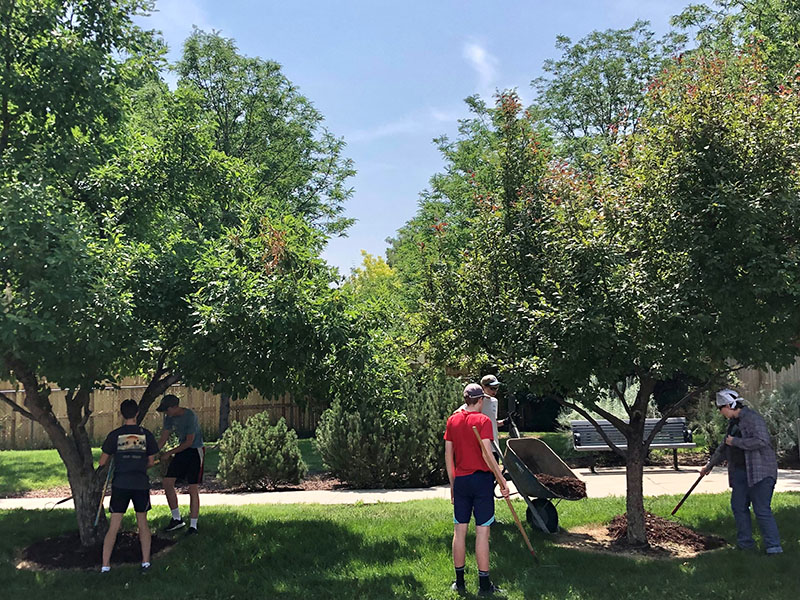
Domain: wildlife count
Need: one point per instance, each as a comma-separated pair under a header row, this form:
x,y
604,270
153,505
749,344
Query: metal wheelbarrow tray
x,y
524,459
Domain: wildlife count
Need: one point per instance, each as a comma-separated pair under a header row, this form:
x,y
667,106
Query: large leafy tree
x,y
594,93
67,309
729,26
680,258
259,116
133,243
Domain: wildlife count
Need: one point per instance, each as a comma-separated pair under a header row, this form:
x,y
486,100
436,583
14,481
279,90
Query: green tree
x,y
594,93
67,308
680,258
730,26
132,244
259,116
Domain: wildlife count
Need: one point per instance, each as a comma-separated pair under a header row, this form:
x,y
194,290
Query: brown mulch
x,y
662,532
570,488
66,552
665,542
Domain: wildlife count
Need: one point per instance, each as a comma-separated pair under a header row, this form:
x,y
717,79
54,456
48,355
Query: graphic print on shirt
x,y
132,442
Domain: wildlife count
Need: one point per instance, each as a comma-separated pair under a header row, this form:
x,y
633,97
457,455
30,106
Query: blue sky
x,y
391,76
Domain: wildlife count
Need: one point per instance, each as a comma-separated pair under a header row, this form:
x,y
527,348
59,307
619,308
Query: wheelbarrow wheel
x,y
547,513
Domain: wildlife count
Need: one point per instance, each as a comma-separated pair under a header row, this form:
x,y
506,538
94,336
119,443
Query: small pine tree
x,y
258,455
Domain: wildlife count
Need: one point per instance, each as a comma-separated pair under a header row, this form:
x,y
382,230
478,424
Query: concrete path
x,y
607,482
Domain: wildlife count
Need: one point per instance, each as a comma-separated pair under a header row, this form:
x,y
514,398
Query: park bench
x,y
674,434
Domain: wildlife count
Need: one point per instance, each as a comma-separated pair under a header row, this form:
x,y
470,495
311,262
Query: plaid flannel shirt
x,y
759,456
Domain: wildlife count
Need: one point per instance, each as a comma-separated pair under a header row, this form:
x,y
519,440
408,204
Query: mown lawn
x,y
25,470
29,470
403,551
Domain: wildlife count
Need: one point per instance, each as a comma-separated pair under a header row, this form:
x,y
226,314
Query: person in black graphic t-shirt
x,y
134,449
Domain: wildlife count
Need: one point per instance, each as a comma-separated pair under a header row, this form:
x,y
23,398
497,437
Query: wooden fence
x,y
755,382
18,432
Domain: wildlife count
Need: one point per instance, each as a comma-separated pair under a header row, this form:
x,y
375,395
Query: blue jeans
x,y
760,496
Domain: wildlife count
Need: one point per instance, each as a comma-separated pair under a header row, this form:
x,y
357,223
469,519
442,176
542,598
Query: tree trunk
x,y
634,501
86,489
75,450
224,413
634,470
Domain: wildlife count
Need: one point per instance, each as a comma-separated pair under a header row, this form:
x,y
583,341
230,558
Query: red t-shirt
x,y
466,450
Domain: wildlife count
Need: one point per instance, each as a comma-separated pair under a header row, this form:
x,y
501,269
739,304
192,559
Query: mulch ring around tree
x,y
667,539
66,552
570,488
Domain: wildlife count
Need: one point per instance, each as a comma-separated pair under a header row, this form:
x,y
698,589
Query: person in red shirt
x,y
471,486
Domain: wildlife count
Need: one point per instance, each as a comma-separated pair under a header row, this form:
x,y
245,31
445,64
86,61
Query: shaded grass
x,y
403,551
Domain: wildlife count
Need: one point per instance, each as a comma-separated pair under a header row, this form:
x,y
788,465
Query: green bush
x,y
780,410
392,441
257,455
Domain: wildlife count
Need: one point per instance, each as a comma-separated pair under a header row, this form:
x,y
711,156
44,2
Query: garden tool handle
x,y
686,495
497,475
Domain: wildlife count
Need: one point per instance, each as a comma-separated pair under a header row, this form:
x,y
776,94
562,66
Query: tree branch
x,y
621,395
16,407
583,412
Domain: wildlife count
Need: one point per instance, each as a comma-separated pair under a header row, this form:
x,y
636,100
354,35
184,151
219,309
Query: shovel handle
x,y
686,495
498,476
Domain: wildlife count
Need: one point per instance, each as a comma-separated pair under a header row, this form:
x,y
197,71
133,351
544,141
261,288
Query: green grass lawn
x,y
25,470
29,470
310,455
403,551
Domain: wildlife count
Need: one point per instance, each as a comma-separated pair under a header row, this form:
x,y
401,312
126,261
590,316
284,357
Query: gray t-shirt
x,y
185,425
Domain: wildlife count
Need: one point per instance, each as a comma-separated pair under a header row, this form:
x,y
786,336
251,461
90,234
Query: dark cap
x,y
168,401
473,391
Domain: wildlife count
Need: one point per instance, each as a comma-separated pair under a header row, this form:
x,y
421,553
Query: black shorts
x,y
187,465
120,498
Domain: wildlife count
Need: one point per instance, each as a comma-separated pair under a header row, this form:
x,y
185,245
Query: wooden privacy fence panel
x,y
18,432
757,382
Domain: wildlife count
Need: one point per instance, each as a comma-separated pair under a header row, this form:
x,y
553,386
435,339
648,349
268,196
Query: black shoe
x,y
144,569
191,531
173,525
493,590
461,589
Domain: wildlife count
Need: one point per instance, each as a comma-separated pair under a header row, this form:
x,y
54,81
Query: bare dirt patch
x,y
66,552
667,539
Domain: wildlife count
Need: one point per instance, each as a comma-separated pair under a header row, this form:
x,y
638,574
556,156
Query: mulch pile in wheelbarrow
x,y
569,488
660,531
66,552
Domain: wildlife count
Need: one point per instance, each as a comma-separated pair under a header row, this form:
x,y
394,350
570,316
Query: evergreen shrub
x,y
258,455
390,441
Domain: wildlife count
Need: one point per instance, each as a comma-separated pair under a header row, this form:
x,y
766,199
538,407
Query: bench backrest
x,y
674,432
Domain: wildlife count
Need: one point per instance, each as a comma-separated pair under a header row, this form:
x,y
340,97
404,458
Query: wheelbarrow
x,y
523,459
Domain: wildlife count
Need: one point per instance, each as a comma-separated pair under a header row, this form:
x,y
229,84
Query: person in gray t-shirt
x,y
188,459
490,385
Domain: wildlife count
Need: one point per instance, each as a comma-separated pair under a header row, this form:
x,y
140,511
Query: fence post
x,y
13,439
797,430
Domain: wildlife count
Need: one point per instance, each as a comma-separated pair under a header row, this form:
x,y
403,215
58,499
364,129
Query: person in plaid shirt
x,y
752,471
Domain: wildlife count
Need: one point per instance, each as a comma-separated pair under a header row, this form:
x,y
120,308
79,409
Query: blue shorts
x,y
474,494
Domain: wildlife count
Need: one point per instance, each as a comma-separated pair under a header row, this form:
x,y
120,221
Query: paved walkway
x,y
607,482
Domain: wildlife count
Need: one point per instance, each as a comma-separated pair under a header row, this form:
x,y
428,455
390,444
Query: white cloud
x,y
484,64
427,122
393,128
445,116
